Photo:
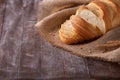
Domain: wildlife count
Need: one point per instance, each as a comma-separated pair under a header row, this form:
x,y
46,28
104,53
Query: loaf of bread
x,y
91,21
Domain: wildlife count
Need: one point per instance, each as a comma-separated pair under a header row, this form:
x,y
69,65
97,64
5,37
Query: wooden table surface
x,y
24,54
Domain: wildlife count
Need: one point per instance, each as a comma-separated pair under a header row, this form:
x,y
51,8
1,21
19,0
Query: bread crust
x,y
72,37
105,14
81,30
83,7
84,28
111,6
116,19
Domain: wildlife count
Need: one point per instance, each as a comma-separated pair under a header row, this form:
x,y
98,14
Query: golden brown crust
x,y
116,19
105,13
69,37
80,30
116,5
83,7
84,28
111,6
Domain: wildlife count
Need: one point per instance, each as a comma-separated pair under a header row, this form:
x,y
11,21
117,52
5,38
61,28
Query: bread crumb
x,y
90,51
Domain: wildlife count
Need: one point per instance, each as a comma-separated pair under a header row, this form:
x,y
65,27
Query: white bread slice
x,y
83,28
91,18
103,12
68,34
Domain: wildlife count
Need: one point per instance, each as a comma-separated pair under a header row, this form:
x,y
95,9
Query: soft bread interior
x,y
85,29
98,14
93,19
103,12
113,9
67,28
68,34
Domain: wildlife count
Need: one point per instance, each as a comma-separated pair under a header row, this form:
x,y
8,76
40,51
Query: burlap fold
x,y
52,13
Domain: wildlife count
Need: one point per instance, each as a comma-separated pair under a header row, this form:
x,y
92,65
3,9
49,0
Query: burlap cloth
x,y
54,12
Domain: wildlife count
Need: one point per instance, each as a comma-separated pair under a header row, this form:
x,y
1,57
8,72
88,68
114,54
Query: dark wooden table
x,y
26,55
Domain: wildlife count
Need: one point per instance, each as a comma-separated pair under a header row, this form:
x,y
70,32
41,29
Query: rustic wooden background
x,y
26,55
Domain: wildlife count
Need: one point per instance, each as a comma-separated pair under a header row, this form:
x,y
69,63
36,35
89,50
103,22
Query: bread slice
x,y
116,20
113,6
77,30
91,18
103,12
68,34
83,28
